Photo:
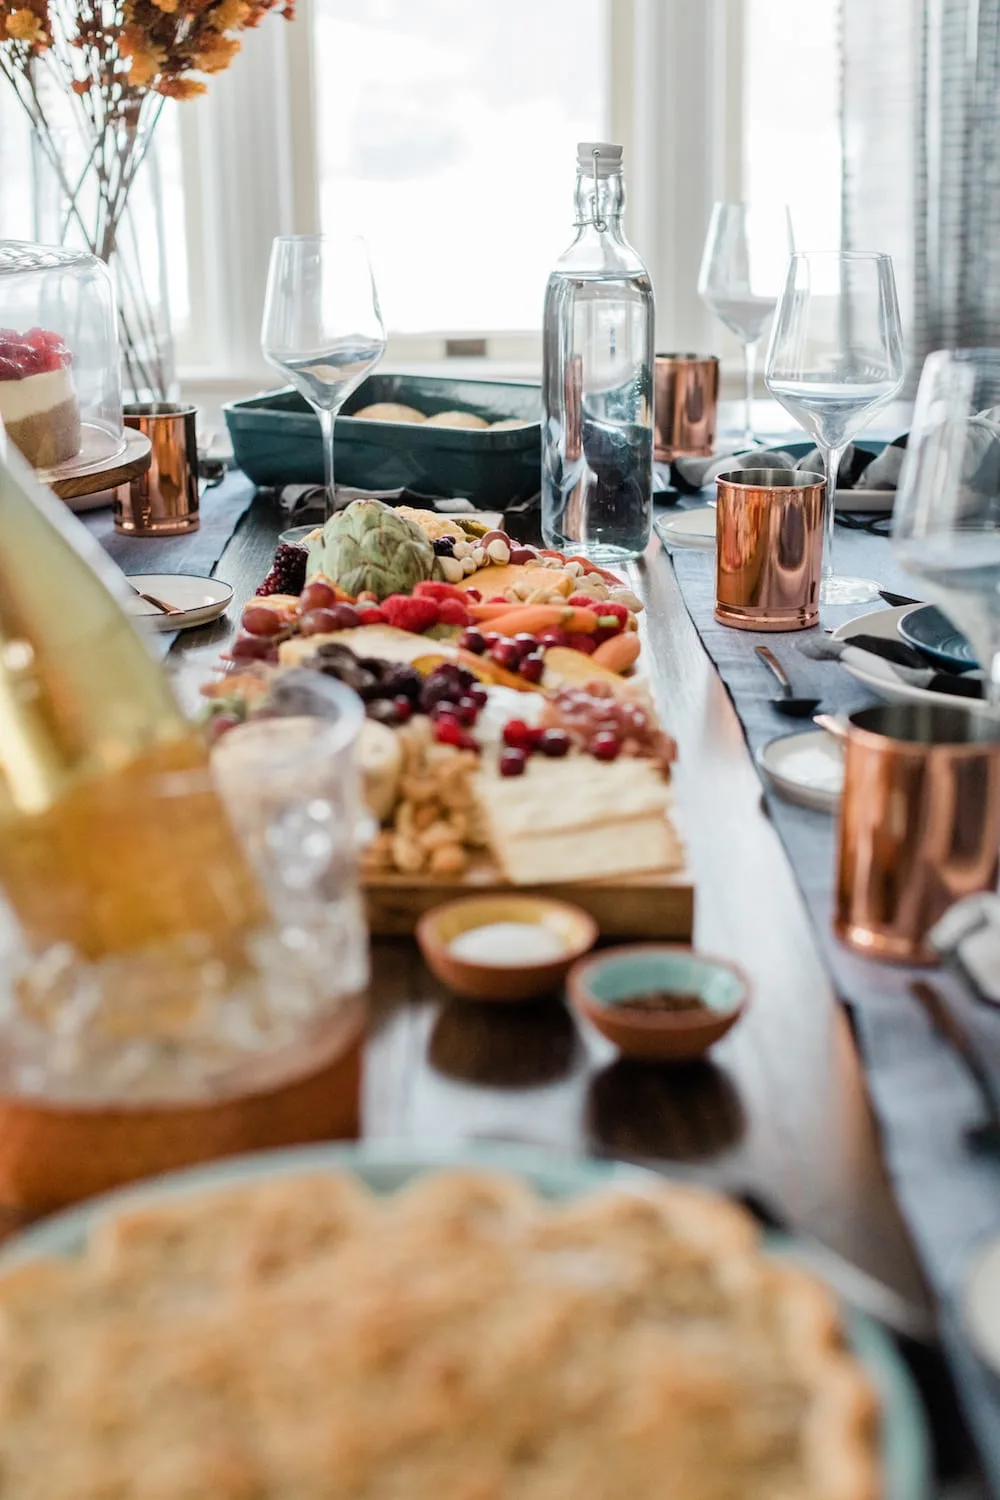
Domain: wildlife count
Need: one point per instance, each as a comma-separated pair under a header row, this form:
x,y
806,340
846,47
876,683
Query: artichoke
x,y
369,546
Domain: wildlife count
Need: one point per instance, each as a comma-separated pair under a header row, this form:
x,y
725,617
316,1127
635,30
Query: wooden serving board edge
x,y
658,905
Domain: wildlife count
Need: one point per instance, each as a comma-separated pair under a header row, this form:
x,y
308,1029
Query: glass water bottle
x,y
597,377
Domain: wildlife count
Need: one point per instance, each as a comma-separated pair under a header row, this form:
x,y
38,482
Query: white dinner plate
x,y
688,528
807,768
885,623
866,500
200,600
981,1303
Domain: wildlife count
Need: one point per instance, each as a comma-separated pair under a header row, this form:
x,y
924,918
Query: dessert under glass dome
x,y
60,366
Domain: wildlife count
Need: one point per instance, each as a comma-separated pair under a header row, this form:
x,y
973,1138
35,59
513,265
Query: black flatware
x,y
898,601
786,703
986,1135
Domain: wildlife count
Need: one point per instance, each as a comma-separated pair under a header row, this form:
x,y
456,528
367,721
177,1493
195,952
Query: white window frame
x,y
675,91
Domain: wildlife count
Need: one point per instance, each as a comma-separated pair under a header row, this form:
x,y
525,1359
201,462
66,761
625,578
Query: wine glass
x,y
746,251
835,357
322,325
946,520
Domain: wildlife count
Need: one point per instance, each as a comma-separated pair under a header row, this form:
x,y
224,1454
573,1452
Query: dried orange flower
x,y
24,26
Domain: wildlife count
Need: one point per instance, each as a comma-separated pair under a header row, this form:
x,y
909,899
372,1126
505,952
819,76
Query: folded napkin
x,y
858,468
302,498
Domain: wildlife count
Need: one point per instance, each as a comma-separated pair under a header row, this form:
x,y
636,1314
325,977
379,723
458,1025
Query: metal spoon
x,y
787,704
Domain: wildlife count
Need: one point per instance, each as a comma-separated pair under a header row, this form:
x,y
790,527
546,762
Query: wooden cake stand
x,y
93,479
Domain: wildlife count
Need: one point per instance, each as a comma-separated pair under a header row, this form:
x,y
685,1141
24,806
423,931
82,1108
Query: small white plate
x,y
885,623
688,528
806,768
201,600
981,1303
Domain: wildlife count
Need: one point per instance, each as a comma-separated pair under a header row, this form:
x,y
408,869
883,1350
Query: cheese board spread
x,y
511,740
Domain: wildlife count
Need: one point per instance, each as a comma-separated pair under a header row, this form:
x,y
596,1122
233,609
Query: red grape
x,y
473,640
467,711
553,637
253,648
259,620
325,621
506,654
318,595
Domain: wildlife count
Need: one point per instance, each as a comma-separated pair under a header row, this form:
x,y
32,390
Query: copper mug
x,y
685,405
164,500
769,549
919,823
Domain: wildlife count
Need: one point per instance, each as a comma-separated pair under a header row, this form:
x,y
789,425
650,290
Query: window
x,y
16,210
447,136
791,132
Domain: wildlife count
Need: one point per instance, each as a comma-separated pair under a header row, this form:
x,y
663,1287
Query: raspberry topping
x,y
33,353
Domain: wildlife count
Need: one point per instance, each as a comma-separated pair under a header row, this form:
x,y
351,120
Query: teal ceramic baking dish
x,y
276,440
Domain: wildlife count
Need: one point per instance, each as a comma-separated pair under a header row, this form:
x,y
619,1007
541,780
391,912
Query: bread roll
x,y
388,411
456,419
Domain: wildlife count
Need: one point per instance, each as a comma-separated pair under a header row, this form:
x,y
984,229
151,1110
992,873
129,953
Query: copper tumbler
x,y
685,404
769,549
164,500
919,823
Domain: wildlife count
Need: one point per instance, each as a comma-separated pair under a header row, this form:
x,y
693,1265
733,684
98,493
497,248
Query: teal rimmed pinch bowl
x,y
599,986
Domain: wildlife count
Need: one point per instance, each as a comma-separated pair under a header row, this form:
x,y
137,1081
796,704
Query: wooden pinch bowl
x,y
54,1153
599,986
437,929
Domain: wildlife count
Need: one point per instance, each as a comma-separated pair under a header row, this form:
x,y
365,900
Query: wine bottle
x,y
103,845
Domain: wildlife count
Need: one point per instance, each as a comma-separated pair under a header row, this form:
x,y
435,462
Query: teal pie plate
x,y
932,632
384,1167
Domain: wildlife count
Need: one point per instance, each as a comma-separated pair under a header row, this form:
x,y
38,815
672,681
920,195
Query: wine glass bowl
x,y
834,359
322,327
746,250
946,520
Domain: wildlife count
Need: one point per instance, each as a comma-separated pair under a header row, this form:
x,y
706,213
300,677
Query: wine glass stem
x,y
749,369
327,420
831,466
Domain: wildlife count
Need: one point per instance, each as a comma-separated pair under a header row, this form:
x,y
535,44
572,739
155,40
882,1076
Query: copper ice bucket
x,y
769,549
919,823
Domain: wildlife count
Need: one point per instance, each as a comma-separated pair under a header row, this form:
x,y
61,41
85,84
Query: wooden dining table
x,y
779,1113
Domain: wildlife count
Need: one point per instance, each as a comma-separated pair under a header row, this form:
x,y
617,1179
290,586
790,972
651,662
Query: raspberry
x,y
605,610
406,613
438,591
582,601
288,571
372,615
453,612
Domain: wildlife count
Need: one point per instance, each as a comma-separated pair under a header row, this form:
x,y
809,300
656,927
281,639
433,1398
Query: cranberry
x,y
467,710
554,742
553,637
445,708
473,640
450,732
605,746
468,742
532,667
491,638
526,642
518,735
479,696
513,762
578,641
506,654
403,707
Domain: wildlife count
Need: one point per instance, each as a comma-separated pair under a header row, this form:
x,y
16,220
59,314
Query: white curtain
x,y
921,127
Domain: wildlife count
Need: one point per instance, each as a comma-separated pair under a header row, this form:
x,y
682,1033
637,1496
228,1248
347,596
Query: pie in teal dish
x,y
376,1320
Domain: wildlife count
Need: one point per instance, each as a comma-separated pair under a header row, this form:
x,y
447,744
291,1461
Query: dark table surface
x,y
780,1111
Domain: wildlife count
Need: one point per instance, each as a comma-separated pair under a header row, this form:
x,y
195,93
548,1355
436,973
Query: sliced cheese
x,y
631,846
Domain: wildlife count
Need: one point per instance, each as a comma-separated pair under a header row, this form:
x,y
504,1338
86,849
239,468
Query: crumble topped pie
x,y
301,1339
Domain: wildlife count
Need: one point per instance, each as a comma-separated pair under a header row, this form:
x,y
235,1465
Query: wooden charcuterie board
x,y
654,906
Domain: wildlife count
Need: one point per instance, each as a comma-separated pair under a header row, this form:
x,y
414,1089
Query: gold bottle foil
x,y
685,405
769,549
919,824
164,500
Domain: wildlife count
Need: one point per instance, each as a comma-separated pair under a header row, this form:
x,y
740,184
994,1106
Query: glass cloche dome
x,y
60,365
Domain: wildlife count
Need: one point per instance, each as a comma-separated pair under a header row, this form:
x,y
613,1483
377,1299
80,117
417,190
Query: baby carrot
x,y
581,620
490,611
617,654
529,618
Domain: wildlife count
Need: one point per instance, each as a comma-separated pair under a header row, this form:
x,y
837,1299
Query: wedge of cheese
x,y
579,819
